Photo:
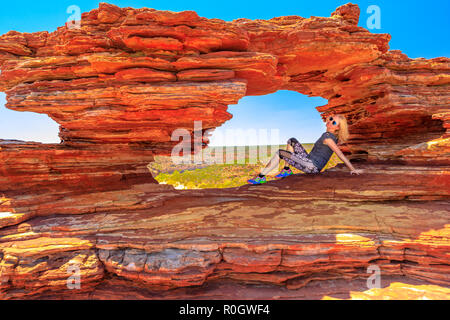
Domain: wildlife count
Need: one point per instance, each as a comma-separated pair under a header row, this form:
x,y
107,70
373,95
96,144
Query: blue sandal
x,y
257,180
284,173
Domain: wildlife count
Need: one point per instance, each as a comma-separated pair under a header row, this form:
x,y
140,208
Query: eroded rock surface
x,y
280,236
135,78
122,83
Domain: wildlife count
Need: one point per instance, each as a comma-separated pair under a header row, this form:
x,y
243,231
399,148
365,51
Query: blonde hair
x,y
343,128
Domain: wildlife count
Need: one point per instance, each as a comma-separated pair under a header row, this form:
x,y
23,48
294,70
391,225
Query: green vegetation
x,y
200,176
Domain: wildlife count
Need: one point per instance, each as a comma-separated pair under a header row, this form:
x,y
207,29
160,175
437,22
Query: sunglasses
x,y
334,122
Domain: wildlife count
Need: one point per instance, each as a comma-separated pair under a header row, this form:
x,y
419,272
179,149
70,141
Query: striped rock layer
x,y
121,83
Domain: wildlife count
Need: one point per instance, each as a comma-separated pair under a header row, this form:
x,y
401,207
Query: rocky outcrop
x,y
136,77
399,109
41,179
286,237
123,82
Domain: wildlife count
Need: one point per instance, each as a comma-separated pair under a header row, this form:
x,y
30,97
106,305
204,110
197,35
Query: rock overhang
x,y
119,86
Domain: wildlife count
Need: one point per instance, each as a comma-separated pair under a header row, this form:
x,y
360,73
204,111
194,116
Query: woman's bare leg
x,y
273,163
289,148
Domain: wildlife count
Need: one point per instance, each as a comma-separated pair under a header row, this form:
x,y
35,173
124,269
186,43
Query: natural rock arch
x,y
139,73
121,83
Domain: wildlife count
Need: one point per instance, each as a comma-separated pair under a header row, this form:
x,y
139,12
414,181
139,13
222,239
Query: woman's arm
x,y
333,146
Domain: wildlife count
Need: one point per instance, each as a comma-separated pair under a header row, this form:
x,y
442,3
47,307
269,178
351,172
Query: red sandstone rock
x,y
400,104
205,74
121,84
144,75
278,234
242,234
349,13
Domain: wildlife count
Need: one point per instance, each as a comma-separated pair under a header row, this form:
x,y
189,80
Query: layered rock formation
x,y
136,77
283,238
127,78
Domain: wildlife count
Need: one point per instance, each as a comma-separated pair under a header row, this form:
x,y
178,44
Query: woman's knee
x,y
283,154
292,141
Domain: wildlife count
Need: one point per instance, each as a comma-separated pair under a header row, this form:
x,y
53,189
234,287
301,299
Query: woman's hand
x,y
333,146
356,171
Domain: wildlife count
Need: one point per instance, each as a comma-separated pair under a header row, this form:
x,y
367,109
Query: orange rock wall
x,y
134,75
121,84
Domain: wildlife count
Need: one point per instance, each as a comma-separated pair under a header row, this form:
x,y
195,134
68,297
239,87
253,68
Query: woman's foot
x,y
284,173
258,180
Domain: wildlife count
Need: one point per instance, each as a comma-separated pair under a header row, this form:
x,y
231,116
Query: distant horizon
x,y
418,29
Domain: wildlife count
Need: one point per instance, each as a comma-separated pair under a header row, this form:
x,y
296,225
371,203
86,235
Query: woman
x,y
296,155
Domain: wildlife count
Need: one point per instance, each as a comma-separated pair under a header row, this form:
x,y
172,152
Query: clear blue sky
x,y
418,28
